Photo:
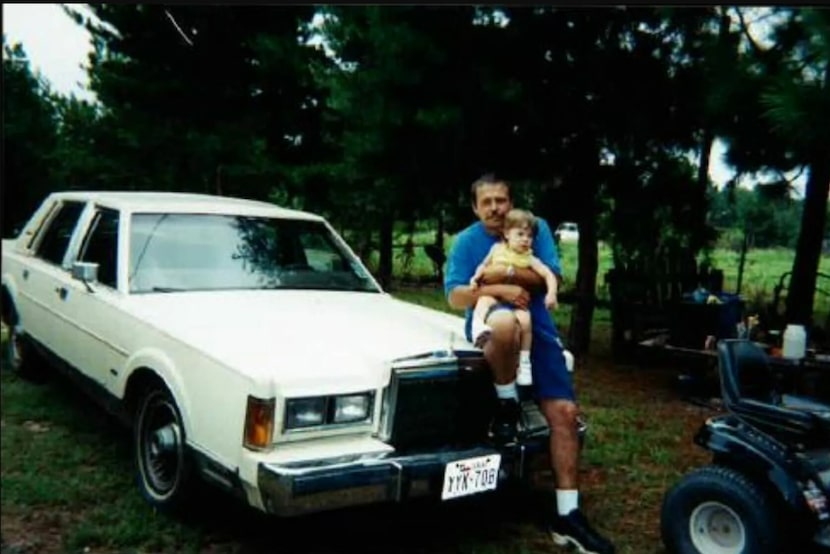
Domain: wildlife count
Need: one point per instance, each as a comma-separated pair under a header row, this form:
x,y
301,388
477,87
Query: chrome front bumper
x,y
299,488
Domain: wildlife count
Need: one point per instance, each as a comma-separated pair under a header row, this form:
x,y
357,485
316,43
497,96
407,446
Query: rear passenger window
x,y
101,246
56,236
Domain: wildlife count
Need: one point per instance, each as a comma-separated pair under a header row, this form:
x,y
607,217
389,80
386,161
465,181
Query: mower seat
x,y
749,391
805,403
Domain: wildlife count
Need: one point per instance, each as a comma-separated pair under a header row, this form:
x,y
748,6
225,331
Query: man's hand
x,y
514,294
494,274
524,277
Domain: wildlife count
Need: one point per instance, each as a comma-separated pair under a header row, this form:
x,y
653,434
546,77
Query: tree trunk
x,y
708,136
579,333
808,250
385,254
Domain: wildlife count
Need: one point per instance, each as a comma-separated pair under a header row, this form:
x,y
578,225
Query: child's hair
x,y
519,218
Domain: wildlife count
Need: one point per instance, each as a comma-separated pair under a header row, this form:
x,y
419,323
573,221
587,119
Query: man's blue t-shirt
x,y
470,248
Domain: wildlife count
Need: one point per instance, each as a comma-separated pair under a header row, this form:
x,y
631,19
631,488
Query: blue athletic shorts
x,y
551,378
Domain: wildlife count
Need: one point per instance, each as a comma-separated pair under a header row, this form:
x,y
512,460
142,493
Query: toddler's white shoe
x,y
524,377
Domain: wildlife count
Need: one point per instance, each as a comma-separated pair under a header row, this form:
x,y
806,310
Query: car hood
x,y
303,340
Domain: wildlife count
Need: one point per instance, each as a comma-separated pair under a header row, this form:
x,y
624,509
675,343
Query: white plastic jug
x,y
795,342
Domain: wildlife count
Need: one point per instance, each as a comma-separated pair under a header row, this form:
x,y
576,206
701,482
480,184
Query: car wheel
x,y
162,461
21,356
717,510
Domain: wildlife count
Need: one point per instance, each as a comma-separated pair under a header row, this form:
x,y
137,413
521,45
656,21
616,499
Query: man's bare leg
x,y
501,352
564,441
570,527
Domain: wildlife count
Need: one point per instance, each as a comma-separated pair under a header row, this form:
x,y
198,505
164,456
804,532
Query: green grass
x,y
66,463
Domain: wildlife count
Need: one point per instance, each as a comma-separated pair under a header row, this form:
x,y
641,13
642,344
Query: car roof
x,y
182,202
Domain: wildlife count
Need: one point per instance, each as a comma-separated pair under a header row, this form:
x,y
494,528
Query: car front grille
x,y
438,404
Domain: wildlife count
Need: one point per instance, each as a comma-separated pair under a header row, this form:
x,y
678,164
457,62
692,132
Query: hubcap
x,y
715,528
161,446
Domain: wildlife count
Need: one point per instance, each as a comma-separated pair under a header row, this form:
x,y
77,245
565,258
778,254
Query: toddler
x,y
515,250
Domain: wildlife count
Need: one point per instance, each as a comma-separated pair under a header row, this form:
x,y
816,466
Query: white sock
x,y
507,391
524,357
566,501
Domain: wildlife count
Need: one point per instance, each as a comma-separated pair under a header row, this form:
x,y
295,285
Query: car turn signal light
x,y
259,423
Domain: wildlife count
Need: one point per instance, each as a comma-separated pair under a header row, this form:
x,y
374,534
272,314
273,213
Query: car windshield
x,y
186,252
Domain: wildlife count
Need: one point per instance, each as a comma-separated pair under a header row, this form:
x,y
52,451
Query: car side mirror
x,y
86,272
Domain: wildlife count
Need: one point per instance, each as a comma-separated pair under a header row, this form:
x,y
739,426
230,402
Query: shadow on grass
x,y
502,522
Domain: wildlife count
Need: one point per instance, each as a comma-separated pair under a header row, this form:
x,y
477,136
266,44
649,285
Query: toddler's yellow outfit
x,y
502,255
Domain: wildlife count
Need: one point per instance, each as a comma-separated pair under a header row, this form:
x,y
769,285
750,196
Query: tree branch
x,y
745,29
179,29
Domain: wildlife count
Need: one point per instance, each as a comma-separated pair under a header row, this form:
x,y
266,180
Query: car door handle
x,y
62,292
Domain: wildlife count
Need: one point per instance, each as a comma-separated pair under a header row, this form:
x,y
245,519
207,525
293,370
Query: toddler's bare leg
x,y
480,330
524,375
523,317
483,304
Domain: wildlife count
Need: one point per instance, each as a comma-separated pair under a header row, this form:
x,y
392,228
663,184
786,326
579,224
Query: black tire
x,y
21,356
717,510
163,466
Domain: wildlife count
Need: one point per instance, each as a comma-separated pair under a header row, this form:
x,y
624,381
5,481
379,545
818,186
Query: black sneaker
x,y
504,427
574,530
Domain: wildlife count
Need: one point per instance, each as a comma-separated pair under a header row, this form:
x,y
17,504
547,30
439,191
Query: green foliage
x,y
796,95
398,109
29,134
206,99
769,217
769,103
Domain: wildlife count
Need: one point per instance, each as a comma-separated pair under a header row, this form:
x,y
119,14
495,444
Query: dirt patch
x,y
36,531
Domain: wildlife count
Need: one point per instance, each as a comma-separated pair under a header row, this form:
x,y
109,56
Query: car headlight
x,y
354,407
259,423
305,412
319,411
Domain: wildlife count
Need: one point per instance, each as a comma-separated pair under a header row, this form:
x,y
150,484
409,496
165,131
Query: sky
x,y
57,48
55,45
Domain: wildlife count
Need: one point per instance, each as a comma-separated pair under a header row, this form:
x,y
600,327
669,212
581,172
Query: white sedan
x,y
567,232
246,345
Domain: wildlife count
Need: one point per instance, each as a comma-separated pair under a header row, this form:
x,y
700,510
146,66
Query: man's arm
x,y
522,276
464,296
457,278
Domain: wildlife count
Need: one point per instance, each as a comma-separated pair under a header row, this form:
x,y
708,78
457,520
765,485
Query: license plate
x,y
471,476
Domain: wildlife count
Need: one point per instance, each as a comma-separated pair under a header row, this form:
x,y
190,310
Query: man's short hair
x,y
487,179
517,218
